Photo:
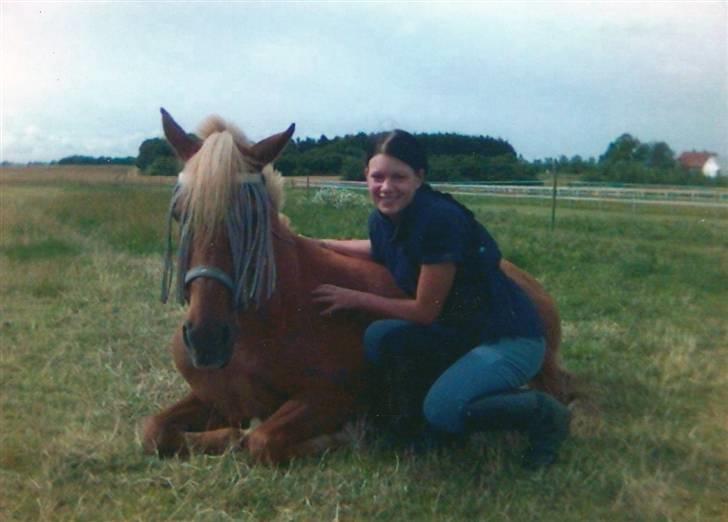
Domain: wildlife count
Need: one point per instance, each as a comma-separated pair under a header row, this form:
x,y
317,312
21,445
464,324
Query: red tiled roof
x,y
694,160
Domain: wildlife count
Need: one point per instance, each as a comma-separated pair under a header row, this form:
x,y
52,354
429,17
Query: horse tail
x,y
552,378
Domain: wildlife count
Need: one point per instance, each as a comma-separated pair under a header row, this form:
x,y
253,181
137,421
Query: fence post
x,y
553,201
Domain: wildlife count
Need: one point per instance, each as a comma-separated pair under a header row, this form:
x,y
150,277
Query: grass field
x,y
83,355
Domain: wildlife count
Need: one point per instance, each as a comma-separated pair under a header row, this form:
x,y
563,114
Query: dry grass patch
x,y
79,174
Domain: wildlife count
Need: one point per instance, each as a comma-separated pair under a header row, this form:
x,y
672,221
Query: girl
x,y
467,338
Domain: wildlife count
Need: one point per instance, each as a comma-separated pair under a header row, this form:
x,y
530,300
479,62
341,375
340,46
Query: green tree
x,y
152,149
627,160
625,148
660,156
352,169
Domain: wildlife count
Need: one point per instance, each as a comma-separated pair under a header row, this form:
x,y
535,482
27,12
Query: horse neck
x,y
323,266
302,265
286,251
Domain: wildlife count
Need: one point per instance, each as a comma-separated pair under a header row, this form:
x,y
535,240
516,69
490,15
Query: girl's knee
x,y
443,411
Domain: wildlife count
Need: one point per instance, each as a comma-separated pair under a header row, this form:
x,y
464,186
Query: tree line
x,y
78,159
452,157
629,160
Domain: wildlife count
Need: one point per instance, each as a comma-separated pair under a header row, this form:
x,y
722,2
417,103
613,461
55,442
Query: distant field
x,y
96,174
86,174
83,355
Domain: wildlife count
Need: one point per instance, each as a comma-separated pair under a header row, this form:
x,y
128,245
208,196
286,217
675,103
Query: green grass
x,y
83,355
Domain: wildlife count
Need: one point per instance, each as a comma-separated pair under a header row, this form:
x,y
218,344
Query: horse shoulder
x,y
324,266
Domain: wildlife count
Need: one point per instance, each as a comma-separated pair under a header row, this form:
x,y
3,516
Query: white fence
x,y
711,197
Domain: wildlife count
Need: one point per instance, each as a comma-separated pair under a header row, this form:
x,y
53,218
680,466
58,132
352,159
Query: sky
x,y
552,78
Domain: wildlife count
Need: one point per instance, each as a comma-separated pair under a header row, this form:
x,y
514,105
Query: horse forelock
x,y
212,175
215,123
223,191
273,178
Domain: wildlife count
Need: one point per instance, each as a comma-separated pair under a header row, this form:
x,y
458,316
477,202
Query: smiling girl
x,y
456,351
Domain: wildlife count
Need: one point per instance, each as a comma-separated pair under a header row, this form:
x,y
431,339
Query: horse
x,y
253,345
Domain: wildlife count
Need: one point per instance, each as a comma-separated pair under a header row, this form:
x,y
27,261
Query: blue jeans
x,y
443,356
487,369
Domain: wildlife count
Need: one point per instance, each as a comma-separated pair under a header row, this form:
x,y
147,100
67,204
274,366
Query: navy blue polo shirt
x,y
433,229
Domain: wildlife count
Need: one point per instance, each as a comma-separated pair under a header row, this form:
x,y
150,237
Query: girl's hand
x,y
334,298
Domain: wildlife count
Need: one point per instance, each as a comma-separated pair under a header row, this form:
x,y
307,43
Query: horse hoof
x,y
148,431
160,441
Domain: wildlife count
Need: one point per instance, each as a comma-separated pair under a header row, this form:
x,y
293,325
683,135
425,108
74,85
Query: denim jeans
x,y
442,366
487,369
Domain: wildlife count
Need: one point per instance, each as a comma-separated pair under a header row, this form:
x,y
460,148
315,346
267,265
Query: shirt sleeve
x,y
375,238
444,236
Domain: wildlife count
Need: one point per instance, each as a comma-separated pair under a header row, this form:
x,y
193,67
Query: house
x,y
706,162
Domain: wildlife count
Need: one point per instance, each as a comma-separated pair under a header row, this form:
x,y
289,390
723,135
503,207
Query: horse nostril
x,y
186,329
225,335
208,345
222,337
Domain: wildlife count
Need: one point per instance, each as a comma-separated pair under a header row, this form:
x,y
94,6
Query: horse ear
x,y
181,142
267,150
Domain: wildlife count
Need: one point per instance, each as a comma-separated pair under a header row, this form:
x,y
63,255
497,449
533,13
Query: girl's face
x,y
392,184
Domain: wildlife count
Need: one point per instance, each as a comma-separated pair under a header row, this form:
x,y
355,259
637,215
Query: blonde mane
x,y
220,188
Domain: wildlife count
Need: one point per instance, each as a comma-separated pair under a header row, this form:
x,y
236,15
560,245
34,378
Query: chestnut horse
x,y
253,345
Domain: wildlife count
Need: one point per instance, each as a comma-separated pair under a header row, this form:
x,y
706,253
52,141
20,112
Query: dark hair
x,y
401,145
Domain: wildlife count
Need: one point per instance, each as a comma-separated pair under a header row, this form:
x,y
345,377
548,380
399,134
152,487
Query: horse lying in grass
x,y
253,345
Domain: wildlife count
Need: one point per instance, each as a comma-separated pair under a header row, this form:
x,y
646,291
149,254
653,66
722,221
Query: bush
x,y
164,166
339,198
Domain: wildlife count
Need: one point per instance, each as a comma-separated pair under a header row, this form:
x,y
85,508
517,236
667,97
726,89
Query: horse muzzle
x,y
209,346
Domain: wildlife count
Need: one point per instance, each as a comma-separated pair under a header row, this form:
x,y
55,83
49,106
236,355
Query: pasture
x,y
83,355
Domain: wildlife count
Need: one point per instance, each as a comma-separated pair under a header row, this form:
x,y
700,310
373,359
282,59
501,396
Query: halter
x,y
242,294
211,273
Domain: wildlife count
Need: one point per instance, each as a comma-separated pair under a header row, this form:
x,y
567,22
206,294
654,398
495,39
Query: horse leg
x,y
166,432
216,442
301,427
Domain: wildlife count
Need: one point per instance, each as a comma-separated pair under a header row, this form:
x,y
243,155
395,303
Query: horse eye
x,y
178,203
179,210
176,213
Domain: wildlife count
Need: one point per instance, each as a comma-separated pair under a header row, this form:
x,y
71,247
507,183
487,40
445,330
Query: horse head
x,y
226,200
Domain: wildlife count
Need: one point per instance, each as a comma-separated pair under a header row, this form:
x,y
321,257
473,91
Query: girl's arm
x,y
349,247
433,286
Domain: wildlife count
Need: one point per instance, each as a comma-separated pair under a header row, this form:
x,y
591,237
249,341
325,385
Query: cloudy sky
x,y
550,77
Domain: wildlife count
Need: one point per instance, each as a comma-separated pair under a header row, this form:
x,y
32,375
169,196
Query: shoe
x,y
546,433
544,419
